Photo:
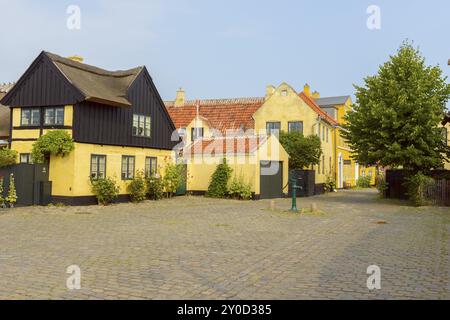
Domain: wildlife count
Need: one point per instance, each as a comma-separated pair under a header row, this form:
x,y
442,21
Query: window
x,y
197,133
331,165
284,93
127,167
30,117
54,116
319,130
273,127
151,166
98,167
25,158
327,134
142,126
296,126
323,133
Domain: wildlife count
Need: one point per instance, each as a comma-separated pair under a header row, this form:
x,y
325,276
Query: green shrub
x,y
416,186
2,199
106,190
155,187
218,186
172,179
364,182
382,185
240,190
330,184
11,199
137,188
8,157
57,142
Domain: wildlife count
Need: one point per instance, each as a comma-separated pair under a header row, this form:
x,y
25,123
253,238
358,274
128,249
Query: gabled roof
x,y
332,101
229,114
86,82
97,85
313,105
222,114
226,145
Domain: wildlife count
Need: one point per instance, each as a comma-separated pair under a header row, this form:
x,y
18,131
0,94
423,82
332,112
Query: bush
x,y
330,184
416,186
8,157
172,179
57,142
381,185
137,188
11,199
2,199
364,182
106,190
240,190
155,187
218,186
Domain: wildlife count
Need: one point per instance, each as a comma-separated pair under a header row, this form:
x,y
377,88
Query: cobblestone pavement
x,y
196,248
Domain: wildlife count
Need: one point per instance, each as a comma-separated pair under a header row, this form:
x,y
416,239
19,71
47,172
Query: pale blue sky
x,y
232,48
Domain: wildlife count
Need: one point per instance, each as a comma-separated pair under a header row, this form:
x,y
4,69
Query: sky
x,y
229,48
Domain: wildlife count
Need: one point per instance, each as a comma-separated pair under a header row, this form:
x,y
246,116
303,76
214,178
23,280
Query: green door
x,y
271,180
181,190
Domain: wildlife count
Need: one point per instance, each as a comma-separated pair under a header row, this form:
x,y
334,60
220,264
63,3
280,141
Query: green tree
x,y
172,178
2,199
395,120
303,151
8,157
57,142
218,186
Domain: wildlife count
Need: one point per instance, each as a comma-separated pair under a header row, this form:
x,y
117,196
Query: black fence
x,y
31,182
438,192
306,179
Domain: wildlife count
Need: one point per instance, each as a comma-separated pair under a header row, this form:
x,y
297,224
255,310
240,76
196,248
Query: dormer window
x,y
197,133
141,126
284,93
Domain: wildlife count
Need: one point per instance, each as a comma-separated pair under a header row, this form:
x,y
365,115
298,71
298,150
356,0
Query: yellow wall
x,y
80,161
447,164
289,107
201,168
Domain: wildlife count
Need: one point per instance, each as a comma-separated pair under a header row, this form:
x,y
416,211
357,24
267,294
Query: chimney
x,y
76,58
316,95
270,90
307,90
180,99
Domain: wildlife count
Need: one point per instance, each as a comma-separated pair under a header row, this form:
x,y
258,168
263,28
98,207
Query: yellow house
x,y
259,161
281,109
348,170
117,120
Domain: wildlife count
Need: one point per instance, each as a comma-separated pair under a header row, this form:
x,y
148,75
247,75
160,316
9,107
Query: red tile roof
x,y
313,105
231,114
226,145
221,114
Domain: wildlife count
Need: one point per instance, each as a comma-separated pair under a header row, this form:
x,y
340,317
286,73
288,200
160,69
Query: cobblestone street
x,y
197,248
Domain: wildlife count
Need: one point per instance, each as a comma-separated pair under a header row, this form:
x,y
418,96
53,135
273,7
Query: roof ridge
x,y
91,68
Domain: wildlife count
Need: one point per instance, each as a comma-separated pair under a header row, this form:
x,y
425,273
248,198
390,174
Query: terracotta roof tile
x,y
313,105
226,145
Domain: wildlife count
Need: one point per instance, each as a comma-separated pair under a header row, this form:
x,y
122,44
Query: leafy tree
x,y
8,157
395,121
172,178
303,151
218,186
57,142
